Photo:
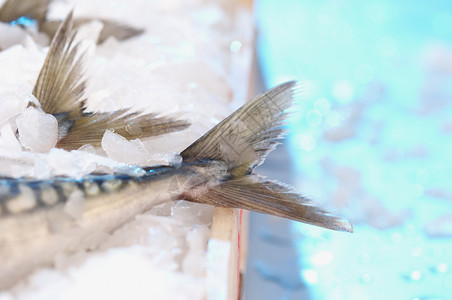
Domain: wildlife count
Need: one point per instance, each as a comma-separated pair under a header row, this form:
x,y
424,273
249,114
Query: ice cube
x,y
8,141
194,264
10,35
14,101
38,131
88,148
122,150
76,163
172,159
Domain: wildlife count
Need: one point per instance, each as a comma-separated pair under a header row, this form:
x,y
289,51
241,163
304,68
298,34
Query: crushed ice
x,y
153,72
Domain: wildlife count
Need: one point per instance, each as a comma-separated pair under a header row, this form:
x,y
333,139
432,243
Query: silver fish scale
x,y
26,195
18,196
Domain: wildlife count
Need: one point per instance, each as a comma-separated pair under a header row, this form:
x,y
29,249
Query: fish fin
x,y
60,86
117,30
90,128
241,142
244,139
60,90
11,10
110,29
50,27
269,197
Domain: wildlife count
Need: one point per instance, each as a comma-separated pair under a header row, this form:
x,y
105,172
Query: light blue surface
x,y
373,140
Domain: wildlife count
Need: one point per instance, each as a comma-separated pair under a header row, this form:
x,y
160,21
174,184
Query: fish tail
x,y
241,142
11,10
60,90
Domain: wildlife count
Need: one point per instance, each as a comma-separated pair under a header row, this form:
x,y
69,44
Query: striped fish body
x,y
41,220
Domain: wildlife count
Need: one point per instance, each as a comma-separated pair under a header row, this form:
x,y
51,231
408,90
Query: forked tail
x,y
242,141
60,90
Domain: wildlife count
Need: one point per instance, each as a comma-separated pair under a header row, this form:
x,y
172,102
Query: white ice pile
x,y
141,260
15,35
192,62
184,63
38,131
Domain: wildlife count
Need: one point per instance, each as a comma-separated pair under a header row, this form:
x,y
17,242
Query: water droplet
x,y
416,275
313,118
396,238
413,276
366,278
235,46
343,91
333,119
365,258
416,252
310,276
441,268
322,105
307,142
322,258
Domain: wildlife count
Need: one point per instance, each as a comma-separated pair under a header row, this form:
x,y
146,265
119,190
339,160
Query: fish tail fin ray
x,y
241,142
118,30
244,139
268,197
60,90
60,86
90,128
11,10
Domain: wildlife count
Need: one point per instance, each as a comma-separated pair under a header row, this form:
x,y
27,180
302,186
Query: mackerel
x,y
42,219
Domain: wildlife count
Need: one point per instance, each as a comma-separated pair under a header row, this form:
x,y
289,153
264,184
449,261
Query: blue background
x,y
372,142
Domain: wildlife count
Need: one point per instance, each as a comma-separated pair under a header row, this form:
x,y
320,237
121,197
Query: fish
x,y
26,13
110,28
63,68
41,219
19,19
13,10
